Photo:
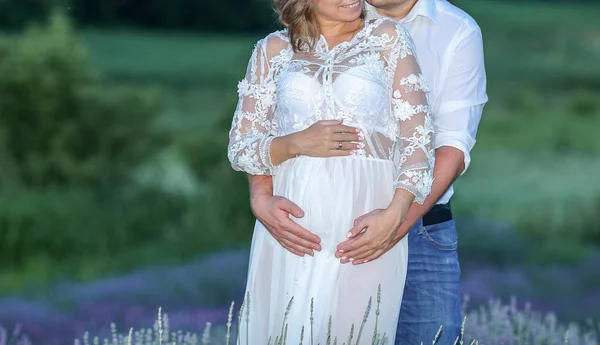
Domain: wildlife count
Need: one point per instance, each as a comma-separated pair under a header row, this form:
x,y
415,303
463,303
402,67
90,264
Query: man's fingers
x,y
300,238
290,207
293,248
301,232
284,234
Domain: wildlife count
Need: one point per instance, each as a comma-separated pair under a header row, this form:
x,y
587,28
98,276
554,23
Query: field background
x,y
142,210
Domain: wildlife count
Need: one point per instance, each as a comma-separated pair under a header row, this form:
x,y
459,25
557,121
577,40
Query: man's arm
x,y
274,213
456,122
462,98
260,185
449,164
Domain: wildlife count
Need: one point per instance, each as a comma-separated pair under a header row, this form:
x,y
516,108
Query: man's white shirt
x,y
450,53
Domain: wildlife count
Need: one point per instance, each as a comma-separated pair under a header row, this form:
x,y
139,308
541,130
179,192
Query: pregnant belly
x,y
333,192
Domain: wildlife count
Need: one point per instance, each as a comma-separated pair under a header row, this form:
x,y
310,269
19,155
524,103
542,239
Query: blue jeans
x,y
432,295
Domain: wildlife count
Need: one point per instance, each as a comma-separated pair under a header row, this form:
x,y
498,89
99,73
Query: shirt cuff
x,y
458,142
452,106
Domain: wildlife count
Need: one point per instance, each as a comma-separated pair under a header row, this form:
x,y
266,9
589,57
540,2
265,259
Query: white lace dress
x,y
374,83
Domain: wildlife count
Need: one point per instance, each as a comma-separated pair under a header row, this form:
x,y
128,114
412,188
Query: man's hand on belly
x,y
274,213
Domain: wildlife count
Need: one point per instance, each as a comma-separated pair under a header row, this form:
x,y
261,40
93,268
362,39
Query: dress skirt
x,y
333,192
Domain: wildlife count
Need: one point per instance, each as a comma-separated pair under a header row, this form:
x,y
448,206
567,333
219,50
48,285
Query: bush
x,y
67,225
69,147
59,124
226,190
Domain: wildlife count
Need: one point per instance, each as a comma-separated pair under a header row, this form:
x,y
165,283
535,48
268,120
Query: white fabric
x,y
373,82
450,51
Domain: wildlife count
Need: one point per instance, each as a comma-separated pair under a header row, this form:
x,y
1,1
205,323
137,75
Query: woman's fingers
x,y
330,138
330,122
343,146
358,228
344,129
348,137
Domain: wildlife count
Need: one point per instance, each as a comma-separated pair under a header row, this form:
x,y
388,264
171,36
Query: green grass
x,y
537,144
176,59
541,63
506,185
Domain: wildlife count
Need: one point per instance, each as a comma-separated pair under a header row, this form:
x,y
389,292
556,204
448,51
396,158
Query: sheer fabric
x,y
373,82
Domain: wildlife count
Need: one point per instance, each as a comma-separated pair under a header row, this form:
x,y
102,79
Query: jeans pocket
x,y
442,236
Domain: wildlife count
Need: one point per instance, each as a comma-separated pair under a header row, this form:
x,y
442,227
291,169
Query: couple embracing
x,y
352,124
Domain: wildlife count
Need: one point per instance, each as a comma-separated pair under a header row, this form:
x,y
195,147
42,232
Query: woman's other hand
x,y
326,138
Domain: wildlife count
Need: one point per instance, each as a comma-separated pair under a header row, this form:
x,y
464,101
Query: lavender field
x,y
201,291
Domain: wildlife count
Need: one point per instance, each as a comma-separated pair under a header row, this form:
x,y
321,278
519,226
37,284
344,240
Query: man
x,y
450,52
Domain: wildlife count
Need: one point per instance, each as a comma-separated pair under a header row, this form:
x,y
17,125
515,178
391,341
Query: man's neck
x,y
397,11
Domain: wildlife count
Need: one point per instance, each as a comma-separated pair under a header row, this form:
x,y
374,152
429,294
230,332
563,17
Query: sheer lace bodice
x,y
372,81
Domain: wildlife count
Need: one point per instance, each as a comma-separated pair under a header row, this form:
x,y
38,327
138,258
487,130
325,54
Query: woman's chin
x,y
352,11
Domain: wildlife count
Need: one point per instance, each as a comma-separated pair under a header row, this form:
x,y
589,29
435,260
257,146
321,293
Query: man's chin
x,y
376,3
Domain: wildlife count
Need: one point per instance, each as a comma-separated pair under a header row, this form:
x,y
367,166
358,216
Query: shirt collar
x,y
425,8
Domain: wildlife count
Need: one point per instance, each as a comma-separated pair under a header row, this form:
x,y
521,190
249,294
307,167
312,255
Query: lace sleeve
x,y
414,150
249,137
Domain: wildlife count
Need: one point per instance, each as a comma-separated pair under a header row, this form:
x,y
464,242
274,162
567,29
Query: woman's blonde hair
x,y
299,18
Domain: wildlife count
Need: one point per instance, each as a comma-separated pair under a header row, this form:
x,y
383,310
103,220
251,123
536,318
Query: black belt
x,y
438,214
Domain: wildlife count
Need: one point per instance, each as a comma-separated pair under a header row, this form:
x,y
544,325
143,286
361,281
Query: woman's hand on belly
x,y
326,138
380,228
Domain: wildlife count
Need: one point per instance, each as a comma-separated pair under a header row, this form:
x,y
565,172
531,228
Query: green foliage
x,y
64,225
172,14
58,123
16,13
206,15
537,139
70,144
525,102
585,103
564,235
226,189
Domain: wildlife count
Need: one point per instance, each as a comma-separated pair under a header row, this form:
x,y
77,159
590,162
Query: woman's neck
x,y
340,29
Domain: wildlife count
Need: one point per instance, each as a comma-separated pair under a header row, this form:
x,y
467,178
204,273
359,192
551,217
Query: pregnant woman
x,y
335,109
